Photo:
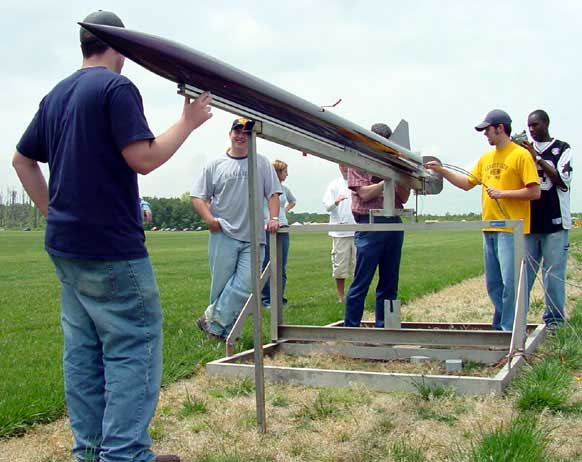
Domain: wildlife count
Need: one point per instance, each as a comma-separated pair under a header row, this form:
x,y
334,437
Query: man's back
x,y
80,129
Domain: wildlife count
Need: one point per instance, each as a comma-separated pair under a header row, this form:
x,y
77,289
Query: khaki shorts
x,y
343,257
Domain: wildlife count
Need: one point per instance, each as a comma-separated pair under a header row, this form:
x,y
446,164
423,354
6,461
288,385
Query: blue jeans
x,y
382,249
230,269
266,294
498,250
553,249
112,325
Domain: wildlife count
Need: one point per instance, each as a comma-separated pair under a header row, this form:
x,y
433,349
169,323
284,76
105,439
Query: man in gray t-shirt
x,y
220,196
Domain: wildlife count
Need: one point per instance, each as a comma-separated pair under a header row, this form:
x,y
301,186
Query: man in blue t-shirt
x,y
92,131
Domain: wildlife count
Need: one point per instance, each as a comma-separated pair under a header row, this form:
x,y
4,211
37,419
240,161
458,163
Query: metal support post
x,y
392,318
389,197
519,333
255,204
276,253
521,294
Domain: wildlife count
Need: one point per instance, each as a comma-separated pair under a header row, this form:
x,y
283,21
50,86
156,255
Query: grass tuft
x,y
545,385
401,451
430,392
192,406
521,440
235,389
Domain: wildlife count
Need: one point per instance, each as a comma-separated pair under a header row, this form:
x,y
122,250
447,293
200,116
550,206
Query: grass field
x,y
31,387
206,418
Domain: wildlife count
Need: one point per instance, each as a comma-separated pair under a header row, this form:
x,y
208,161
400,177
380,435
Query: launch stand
x,y
475,342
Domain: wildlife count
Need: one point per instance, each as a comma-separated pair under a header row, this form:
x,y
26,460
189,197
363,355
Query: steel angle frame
x,y
472,343
240,366
439,341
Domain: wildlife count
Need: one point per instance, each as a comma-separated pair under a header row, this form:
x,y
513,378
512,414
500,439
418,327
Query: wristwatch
x,y
274,218
538,158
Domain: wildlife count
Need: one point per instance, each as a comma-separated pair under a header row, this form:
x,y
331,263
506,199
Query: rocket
x,y
259,100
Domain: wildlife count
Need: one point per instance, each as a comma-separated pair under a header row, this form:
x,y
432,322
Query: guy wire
x,y
478,180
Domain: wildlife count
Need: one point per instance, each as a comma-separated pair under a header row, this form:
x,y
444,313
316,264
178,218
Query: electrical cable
x,y
478,180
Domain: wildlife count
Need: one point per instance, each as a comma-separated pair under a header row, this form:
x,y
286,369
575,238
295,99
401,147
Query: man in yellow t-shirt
x,y
510,181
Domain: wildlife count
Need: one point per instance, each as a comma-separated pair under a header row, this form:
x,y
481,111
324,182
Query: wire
x,y
478,180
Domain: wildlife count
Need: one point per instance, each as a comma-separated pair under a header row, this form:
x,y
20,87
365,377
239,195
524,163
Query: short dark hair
x,y
542,115
93,47
506,128
90,44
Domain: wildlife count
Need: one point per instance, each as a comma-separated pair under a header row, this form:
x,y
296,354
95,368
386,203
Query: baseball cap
x,y
106,18
241,122
494,117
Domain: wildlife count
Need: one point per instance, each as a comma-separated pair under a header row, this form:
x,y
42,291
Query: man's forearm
x,y
274,205
529,193
202,208
457,179
147,155
369,192
32,180
552,173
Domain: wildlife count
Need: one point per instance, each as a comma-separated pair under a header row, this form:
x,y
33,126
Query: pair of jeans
x,y
552,248
498,251
112,325
381,249
230,268
266,294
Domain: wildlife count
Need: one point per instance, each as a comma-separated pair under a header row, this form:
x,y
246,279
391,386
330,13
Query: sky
x,y
441,65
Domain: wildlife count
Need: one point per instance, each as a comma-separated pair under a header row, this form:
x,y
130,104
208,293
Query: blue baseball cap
x,y
494,117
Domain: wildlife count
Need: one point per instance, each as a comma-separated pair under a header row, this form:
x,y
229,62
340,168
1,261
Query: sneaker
x,y
202,324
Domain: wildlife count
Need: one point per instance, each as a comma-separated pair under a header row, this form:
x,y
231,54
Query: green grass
x,y
521,440
31,388
545,385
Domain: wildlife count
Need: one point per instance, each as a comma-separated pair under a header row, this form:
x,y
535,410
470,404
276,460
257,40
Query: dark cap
x,y
494,117
106,18
241,122
382,130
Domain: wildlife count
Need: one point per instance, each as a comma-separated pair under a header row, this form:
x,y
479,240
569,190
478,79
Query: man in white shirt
x,y
337,200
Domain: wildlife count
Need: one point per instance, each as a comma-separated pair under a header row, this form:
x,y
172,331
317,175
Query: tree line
x,y
18,212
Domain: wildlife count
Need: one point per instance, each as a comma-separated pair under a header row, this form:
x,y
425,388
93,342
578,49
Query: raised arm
x,y
457,179
146,155
548,169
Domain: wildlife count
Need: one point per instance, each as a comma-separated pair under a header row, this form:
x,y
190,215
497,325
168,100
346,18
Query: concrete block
x,y
453,365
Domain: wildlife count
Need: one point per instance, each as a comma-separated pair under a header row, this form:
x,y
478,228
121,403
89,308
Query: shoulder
x,y
562,145
263,160
487,155
216,162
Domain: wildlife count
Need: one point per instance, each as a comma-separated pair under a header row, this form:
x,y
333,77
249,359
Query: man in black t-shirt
x,y
547,244
92,131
